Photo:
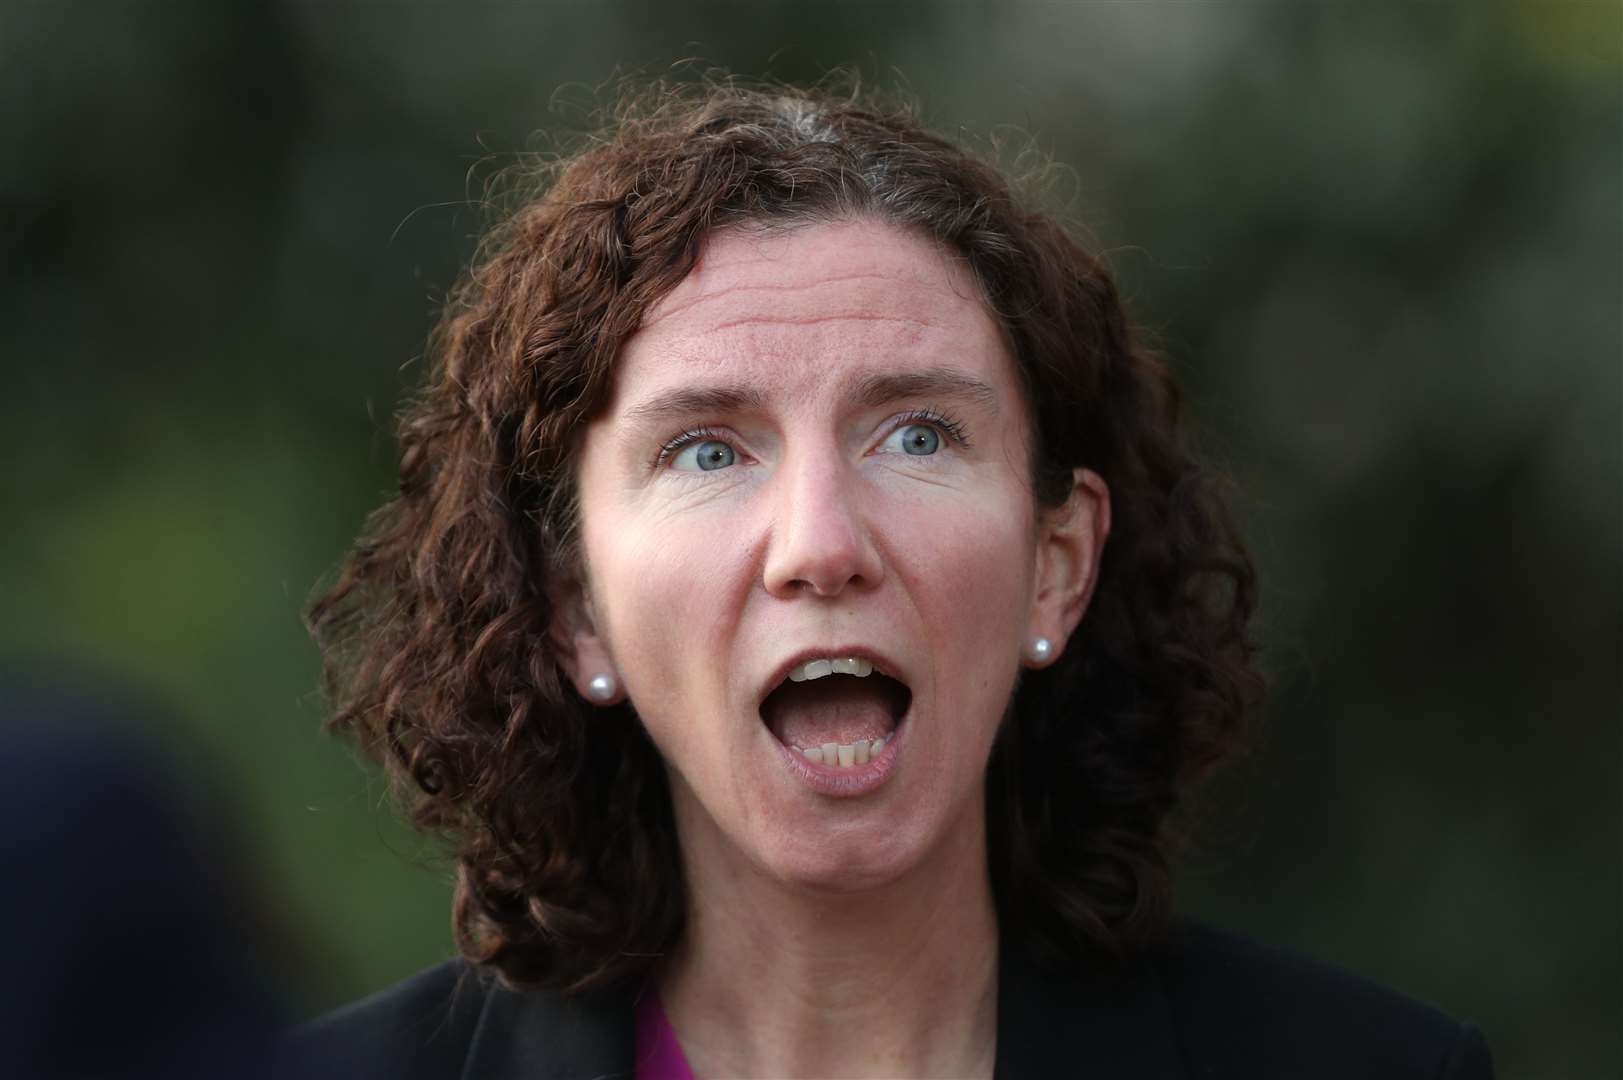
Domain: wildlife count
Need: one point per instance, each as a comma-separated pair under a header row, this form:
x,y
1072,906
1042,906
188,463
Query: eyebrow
x,y
871,390
882,389
685,401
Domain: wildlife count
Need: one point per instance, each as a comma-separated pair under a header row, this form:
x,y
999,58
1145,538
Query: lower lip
x,y
847,782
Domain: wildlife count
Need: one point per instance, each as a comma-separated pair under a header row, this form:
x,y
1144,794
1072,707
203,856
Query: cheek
x,y
665,592
969,564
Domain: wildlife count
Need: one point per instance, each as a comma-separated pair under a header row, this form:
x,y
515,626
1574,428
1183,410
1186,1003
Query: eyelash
x,y
948,425
688,437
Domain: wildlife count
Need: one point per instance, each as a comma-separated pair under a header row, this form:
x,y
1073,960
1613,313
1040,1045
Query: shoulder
x,y
452,1021
1243,1008
422,1026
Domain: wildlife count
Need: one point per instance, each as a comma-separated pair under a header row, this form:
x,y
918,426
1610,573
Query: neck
x,y
774,979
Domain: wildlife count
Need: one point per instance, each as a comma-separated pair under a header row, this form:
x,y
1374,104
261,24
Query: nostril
x,y
830,585
824,563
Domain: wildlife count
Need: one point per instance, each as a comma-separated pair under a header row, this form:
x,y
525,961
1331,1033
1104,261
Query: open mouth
x,y
836,711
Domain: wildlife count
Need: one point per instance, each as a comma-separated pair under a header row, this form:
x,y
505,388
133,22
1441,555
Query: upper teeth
x,y
845,665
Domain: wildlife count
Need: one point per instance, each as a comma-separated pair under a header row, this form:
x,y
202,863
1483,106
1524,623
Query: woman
x,y
747,620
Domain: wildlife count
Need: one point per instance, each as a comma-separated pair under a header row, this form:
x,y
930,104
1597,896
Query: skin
x,y
828,936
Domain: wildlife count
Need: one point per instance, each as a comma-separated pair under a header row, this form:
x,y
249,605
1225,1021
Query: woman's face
x,y
817,450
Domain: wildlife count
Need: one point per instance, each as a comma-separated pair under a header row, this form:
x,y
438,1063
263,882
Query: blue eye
x,y
706,456
919,440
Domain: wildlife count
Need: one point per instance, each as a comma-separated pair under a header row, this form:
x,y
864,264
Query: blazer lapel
x,y
1100,1024
544,1036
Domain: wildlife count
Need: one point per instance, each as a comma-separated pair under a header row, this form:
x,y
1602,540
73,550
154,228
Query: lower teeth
x,y
845,755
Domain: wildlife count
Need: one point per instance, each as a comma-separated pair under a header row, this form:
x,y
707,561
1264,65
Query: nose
x,y
820,543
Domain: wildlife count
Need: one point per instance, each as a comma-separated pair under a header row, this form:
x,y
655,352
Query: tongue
x,y
833,709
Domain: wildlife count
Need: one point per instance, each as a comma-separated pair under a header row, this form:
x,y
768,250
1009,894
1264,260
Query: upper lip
x,y
882,663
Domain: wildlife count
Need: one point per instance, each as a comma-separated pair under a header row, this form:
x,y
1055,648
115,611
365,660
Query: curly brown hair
x,y
436,634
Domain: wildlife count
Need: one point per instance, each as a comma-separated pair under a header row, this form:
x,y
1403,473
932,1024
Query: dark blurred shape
x,y
124,956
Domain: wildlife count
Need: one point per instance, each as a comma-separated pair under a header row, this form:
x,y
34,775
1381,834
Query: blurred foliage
x,y
1381,242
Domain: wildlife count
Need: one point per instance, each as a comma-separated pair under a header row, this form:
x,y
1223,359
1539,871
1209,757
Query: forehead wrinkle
x,y
666,306
813,320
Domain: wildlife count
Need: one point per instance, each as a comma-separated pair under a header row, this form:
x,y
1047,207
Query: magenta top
x,y
659,1055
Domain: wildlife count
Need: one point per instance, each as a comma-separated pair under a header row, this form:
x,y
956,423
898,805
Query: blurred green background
x,y
1384,246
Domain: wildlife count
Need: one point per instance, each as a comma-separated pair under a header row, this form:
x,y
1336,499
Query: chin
x,y
836,879
842,863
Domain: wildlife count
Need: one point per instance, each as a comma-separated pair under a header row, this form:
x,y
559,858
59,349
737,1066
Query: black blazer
x,y
1209,1005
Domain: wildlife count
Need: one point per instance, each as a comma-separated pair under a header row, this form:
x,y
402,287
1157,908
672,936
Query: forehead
x,y
798,308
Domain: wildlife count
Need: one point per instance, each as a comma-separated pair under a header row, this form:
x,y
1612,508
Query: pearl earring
x,y
601,689
1041,650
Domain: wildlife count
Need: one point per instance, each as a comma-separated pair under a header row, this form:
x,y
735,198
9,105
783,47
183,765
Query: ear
x,y
1070,541
582,652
